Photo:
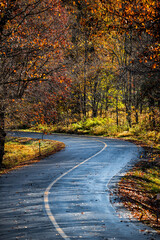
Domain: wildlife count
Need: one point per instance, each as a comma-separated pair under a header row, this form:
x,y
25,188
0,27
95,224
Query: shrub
x,y
99,130
125,134
90,123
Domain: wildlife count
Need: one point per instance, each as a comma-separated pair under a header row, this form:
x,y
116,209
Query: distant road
x,y
65,196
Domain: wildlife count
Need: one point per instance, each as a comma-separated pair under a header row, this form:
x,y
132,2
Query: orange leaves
x,y
33,41
154,66
137,14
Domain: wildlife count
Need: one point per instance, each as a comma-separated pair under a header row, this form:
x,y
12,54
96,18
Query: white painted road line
x,y
47,191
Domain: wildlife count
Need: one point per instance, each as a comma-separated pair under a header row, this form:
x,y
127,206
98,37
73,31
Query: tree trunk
x,y
117,116
128,115
85,76
101,106
2,134
135,101
106,101
94,102
136,116
128,107
152,114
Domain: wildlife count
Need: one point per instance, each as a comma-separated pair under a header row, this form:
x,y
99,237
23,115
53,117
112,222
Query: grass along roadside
x,y
106,127
24,151
140,187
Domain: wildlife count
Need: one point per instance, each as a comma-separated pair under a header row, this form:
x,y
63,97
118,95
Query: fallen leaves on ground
x,y
139,188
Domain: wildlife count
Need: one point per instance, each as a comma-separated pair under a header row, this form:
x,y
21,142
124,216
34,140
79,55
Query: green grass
x,y
106,127
23,151
139,188
149,180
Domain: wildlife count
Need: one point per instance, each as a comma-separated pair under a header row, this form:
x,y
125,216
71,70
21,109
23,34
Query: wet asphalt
x,y
78,198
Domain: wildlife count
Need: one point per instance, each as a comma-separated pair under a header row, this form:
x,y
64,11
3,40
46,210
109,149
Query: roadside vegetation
x,y
107,127
139,190
24,151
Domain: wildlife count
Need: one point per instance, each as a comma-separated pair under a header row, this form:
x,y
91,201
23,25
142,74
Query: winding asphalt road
x,y
66,195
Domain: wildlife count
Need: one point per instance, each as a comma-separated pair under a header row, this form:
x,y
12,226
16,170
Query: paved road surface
x,y
65,196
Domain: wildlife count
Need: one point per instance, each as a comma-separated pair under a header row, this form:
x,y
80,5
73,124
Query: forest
x,y
83,66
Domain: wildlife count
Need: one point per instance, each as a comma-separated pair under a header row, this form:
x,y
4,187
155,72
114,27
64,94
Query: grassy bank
x,y
24,151
140,187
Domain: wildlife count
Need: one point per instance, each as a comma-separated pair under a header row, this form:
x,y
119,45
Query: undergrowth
x,y
22,151
106,127
139,190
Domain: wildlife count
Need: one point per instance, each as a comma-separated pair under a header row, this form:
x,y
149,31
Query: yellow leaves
x,y
154,65
2,5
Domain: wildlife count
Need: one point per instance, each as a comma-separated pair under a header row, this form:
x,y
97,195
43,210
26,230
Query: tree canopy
x,y
68,60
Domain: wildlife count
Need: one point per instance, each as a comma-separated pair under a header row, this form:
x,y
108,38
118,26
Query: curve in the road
x,y
77,199
46,194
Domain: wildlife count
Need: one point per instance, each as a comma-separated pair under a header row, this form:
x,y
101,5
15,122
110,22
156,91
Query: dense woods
x,y
66,61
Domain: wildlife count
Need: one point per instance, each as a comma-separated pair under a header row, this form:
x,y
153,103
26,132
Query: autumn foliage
x,y
33,37
69,60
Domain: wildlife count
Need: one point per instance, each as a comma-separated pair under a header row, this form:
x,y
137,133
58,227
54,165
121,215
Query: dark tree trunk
x,y
152,115
128,109
117,116
135,101
128,117
2,134
106,100
136,109
94,102
136,116
85,76
101,105
141,107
